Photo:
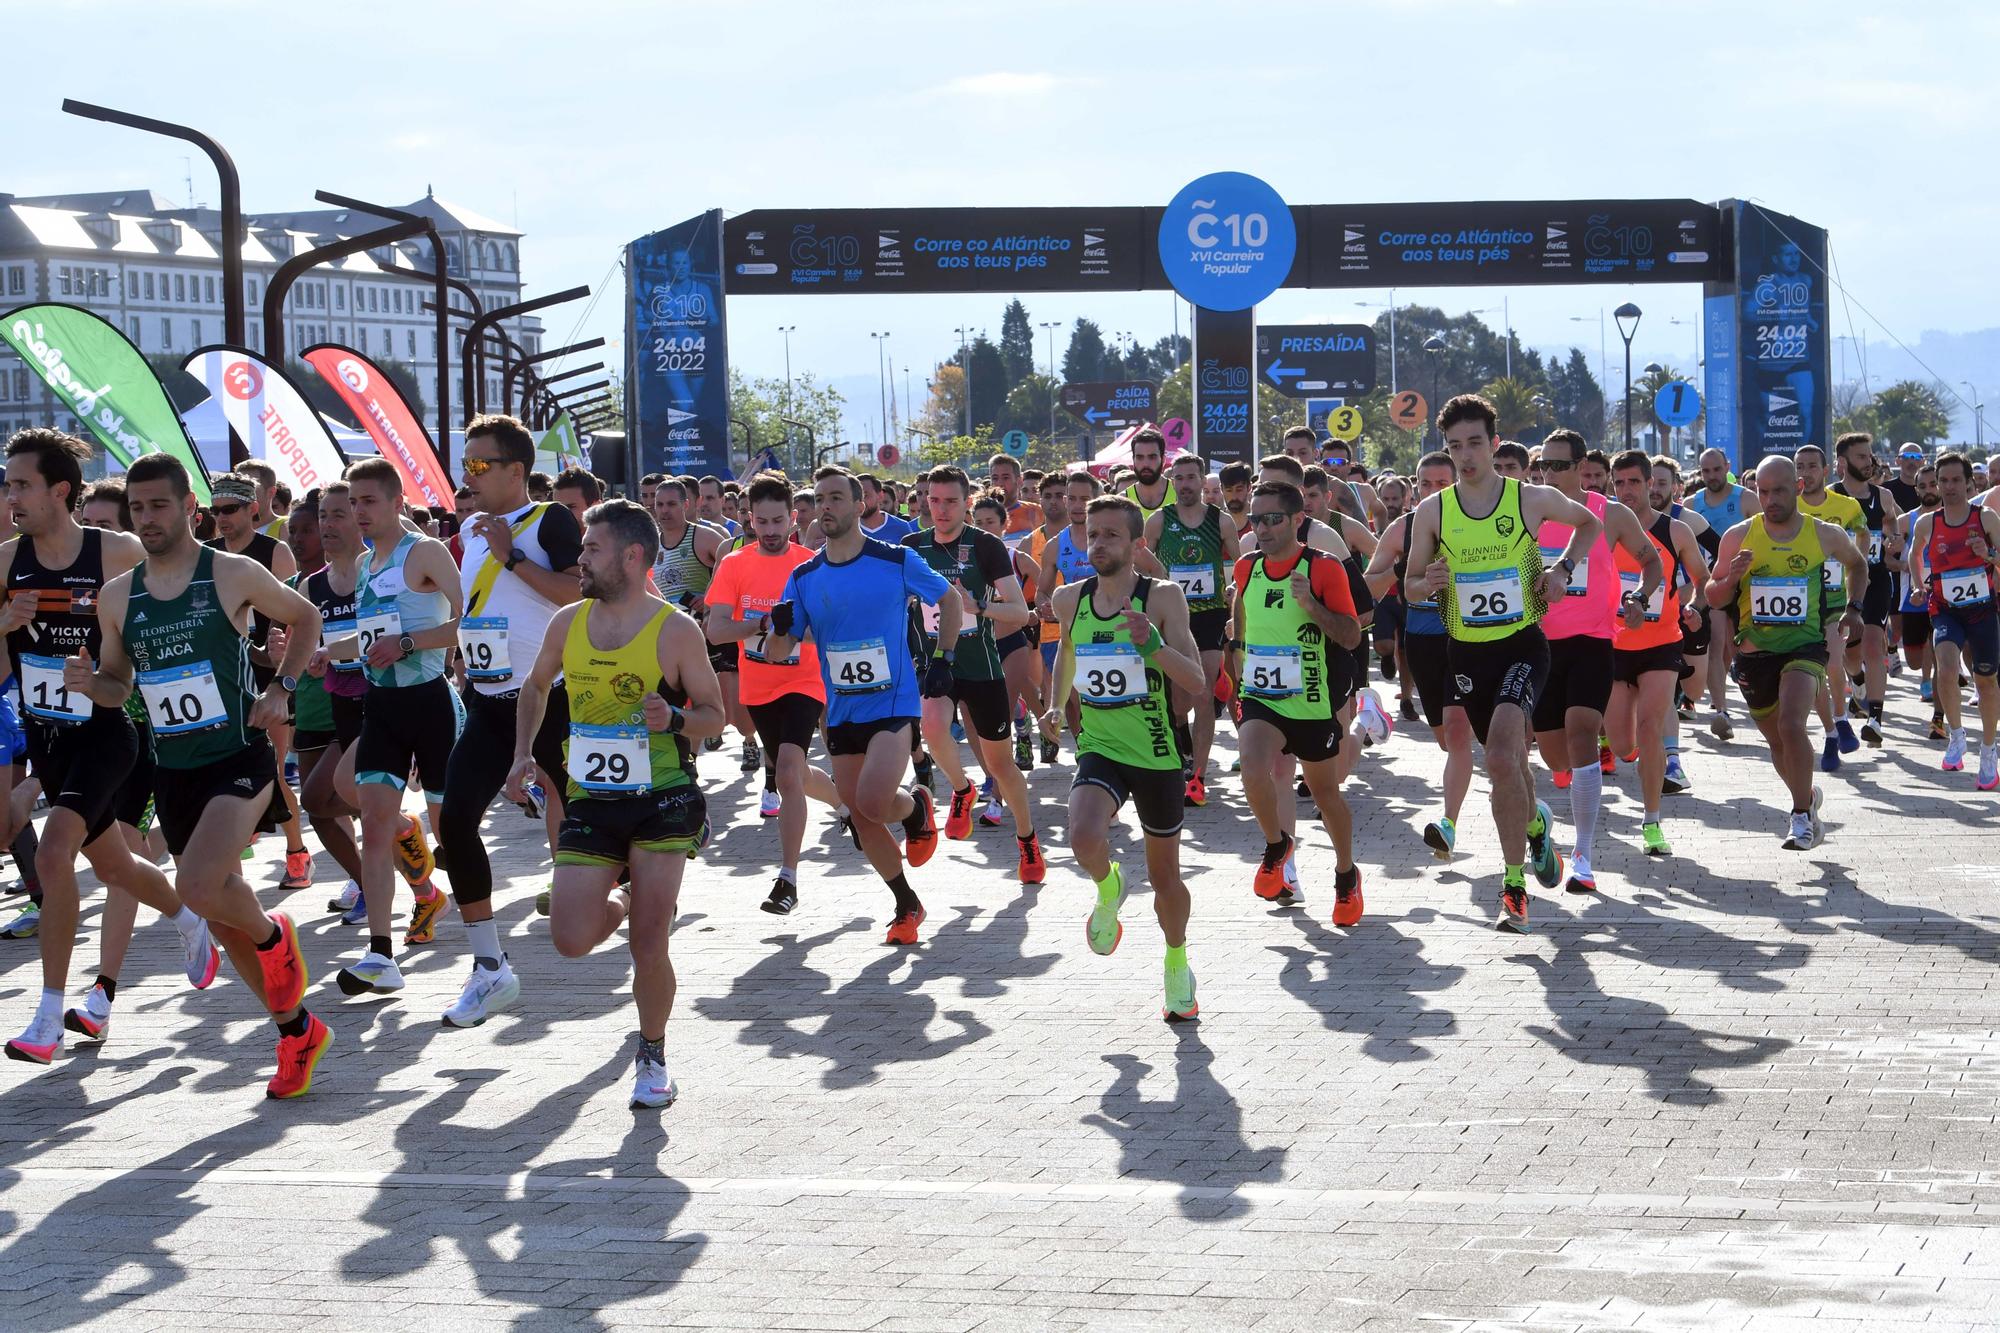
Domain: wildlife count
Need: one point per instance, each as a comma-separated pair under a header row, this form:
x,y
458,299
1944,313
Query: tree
x,y
1906,410
1645,390
1472,354
1520,406
1576,398
1028,406
1017,342
760,404
1085,357
944,414
989,382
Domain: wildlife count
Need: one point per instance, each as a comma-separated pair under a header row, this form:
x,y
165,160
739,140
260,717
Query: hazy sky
x,y
590,123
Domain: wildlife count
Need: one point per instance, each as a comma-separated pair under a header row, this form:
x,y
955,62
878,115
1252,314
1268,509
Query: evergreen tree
x,y
1017,342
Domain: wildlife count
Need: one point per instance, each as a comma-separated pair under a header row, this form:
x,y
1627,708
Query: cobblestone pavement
x,y
1742,1088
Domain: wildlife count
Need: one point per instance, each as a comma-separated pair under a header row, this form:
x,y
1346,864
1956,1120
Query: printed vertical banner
x,y
379,406
678,349
1783,353
269,414
105,381
558,449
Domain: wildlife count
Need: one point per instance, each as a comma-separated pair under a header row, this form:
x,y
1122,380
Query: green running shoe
x,y
1542,848
1102,928
1180,1006
1656,841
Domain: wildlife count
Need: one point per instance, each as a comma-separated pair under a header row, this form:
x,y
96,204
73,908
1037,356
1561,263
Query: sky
x,y
587,124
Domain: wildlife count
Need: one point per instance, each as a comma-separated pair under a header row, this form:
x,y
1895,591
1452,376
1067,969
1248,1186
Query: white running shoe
x,y
1989,767
769,805
487,991
1294,893
991,814
652,1086
199,956
375,974
349,895
1371,721
1800,836
1954,750
93,1020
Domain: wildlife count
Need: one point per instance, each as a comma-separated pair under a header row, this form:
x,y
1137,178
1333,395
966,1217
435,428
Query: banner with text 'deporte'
x,y
378,405
269,414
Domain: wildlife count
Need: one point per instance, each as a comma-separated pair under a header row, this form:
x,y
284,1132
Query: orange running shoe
x,y
1607,762
903,930
958,824
1561,777
298,870
413,854
424,917
297,1058
1033,869
1270,881
284,968
1347,902
1197,793
920,829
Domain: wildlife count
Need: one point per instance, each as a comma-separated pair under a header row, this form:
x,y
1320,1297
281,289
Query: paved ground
x,y
1748,1090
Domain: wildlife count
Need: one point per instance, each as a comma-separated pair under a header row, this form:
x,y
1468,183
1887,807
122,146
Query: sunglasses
x,y
478,467
225,509
1270,520
1555,465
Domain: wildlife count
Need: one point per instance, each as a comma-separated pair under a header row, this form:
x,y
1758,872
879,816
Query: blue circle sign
x,y
1015,442
1227,241
1677,404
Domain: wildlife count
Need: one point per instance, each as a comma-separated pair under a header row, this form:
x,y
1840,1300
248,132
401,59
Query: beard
x,y
604,587
1147,476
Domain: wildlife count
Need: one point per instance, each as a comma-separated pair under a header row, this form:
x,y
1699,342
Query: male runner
x,y
1648,645
1914,613
576,490
1053,493
877,522
1236,479
1066,557
708,507
1816,501
1293,620
1722,504
1003,474
406,619
1151,489
851,599
640,688
1123,638
520,567
1569,712
1596,472
1196,546
1882,517
327,785
1663,489
784,695
1958,543
1475,542
681,571
978,565
177,626
1772,568
85,753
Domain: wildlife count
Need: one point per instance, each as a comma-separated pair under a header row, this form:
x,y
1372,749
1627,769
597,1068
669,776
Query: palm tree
x,y
1518,403
1645,390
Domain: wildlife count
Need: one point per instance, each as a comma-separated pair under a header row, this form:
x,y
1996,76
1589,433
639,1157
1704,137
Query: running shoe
x,y
1829,757
1924,692
1721,728
200,959
26,925
1561,778
1954,751
350,894
291,771
990,814
712,744
1179,1005
93,1021
1581,878
1989,767
487,991
1024,751
1408,708
652,1086
413,853
298,870
1197,793
1303,788
1050,752
1849,742
1676,780
958,731
1895,664
356,913
1685,707
1513,909
1270,880
424,918
1031,868
1542,847
39,1043
770,805
1102,928
297,1058
1607,762
1871,732
753,756
1441,835
1655,839
284,968
1855,708
1814,823
958,821
1294,893
542,900
1937,727
375,974
1799,836
1347,903
784,896
919,830
903,928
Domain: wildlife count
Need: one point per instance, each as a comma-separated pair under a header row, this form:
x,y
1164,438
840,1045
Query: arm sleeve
x,y
561,537
920,580
1329,584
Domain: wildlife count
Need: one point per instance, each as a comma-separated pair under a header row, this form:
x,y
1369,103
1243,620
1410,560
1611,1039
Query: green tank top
x,y
1123,699
976,657
1494,590
679,572
611,752
1284,652
192,668
1781,603
1167,500
1193,557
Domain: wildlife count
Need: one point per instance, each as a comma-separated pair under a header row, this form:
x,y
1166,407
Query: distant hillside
x,y
1948,357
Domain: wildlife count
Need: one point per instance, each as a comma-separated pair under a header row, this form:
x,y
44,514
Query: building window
x,y
208,290
340,298
252,285
451,260
166,334
146,282
412,335
180,287
362,339
17,280
194,331
135,331
507,257
21,385
63,282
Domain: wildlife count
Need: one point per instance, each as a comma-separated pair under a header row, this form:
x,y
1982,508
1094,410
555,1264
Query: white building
x,y
155,271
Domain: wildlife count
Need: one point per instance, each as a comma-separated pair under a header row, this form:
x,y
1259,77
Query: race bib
x,y
182,698
857,668
44,695
1493,597
1195,580
1657,603
1835,575
1777,601
931,619
610,760
1579,578
1958,587
1273,672
753,648
483,640
377,622
335,631
1110,673
1874,547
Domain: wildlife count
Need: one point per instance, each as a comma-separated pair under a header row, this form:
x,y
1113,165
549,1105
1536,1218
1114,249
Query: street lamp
x,y
1627,316
788,330
882,382
1978,434
1655,368
1434,349
1050,326
965,365
1391,308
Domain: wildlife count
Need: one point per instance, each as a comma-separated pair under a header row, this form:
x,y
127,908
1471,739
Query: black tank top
x,y
1871,510
263,546
67,617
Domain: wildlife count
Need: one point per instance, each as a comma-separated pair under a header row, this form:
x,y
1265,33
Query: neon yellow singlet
x,y
1843,511
611,752
1496,568
1779,603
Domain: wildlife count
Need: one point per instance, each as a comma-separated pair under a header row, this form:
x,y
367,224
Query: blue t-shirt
x,y
894,528
1721,517
857,615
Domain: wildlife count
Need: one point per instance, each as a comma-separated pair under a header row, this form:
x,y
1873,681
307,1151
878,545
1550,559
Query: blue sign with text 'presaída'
x,y
678,352
1227,241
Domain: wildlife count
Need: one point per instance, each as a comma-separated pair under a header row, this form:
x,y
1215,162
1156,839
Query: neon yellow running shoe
x,y
1102,928
1655,840
1180,1006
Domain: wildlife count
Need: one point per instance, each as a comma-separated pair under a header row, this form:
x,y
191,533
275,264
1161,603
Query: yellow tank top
x,y
1781,603
1496,568
611,752
1843,511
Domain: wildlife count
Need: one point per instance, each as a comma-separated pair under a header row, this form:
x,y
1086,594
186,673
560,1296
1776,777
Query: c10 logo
x,y
1214,376
1245,229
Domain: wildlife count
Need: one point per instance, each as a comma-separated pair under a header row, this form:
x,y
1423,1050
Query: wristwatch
x,y
407,644
289,684
1567,566
514,557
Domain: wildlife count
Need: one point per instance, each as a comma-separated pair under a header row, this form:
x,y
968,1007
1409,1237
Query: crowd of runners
x,y
185,679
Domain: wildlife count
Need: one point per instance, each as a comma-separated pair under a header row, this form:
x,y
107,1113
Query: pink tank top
x,y
1592,602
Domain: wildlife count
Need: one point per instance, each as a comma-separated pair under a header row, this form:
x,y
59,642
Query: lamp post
x,y
1049,326
1978,434
1627,316
965,365
788,330
1391,308
881,385
1652,368
1434,349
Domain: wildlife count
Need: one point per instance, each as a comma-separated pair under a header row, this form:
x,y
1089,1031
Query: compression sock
x,y
296,1025
1586,796
770,777
484,937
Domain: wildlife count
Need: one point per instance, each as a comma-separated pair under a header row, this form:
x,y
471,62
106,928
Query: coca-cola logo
x,y
352,375
243,380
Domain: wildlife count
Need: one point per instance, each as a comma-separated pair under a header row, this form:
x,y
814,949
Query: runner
x,y
576,490
1883,528
709,505
1066,559
84,752
1123,638
1569,712
978,565
1236,479
783,694
876,522
681,571
327,788
1816,501
640,688
1475,542
1663,489
1914,620
1772,568
1003,474
1958,543
1020,659
1649,643
1722,504
1151,489
1053,491
850,600
313,732
1196,546
1390,618
179,625
406,620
